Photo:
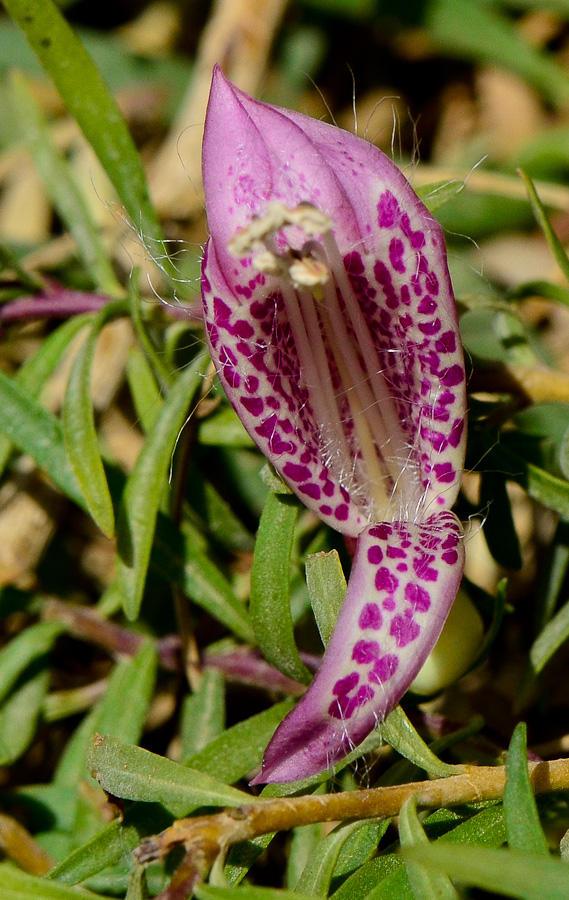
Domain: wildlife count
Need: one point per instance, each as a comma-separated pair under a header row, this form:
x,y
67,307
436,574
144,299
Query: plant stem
x,y
205,837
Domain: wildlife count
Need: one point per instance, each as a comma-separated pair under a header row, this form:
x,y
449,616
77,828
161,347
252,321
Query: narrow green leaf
x,y
425,885
180,559
24,649
143,491
479,32
203,714
555,633
304,840
270,587
327,588
20,713
239,750
37,432
135,774
61,186
111,844
385,878
34,372
439,193
511,872
133,678
208,892
18,885
89,101
522,819
79,432
499,529
223,428
317,875
398,731
553,241
143,388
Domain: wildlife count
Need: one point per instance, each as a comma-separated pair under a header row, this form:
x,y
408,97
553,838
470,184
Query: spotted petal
x,y
404,579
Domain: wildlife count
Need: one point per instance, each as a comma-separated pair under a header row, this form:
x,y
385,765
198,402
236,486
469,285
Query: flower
x,y
332,324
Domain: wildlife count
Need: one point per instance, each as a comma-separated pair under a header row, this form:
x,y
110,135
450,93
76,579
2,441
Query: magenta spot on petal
x,y
388,604
325,509
296,472
388,210
444,472
384,668
385,580
396,250
418,597
427,305
346,684
381,531
370,617
402,567
365,652
396,553
253,405
423,568
446,343
342,512
243,329
375,555
311,490
251,384
232,377
404,630
221,310
452,376
450,557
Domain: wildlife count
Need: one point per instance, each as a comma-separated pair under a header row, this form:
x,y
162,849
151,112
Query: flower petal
x,y
404,579
259,365
399,321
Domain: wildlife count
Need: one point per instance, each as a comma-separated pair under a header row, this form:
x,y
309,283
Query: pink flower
x,y
331,321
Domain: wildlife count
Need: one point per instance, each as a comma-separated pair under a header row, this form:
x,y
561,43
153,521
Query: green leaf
x,y
326,588
111,844
89,101
499,529
317,875
203,714
133,678
240,748
34,371
476,31
61,186
143,388
515,873
143,491
553,241
522,820
398,731
270,587
24,649
385,877
18,885
37,432
20,713
550,639
208,892
179,558
131,773
424,884
439,193
79,433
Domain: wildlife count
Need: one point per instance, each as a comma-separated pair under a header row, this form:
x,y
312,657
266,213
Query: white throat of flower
x,y
365,447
